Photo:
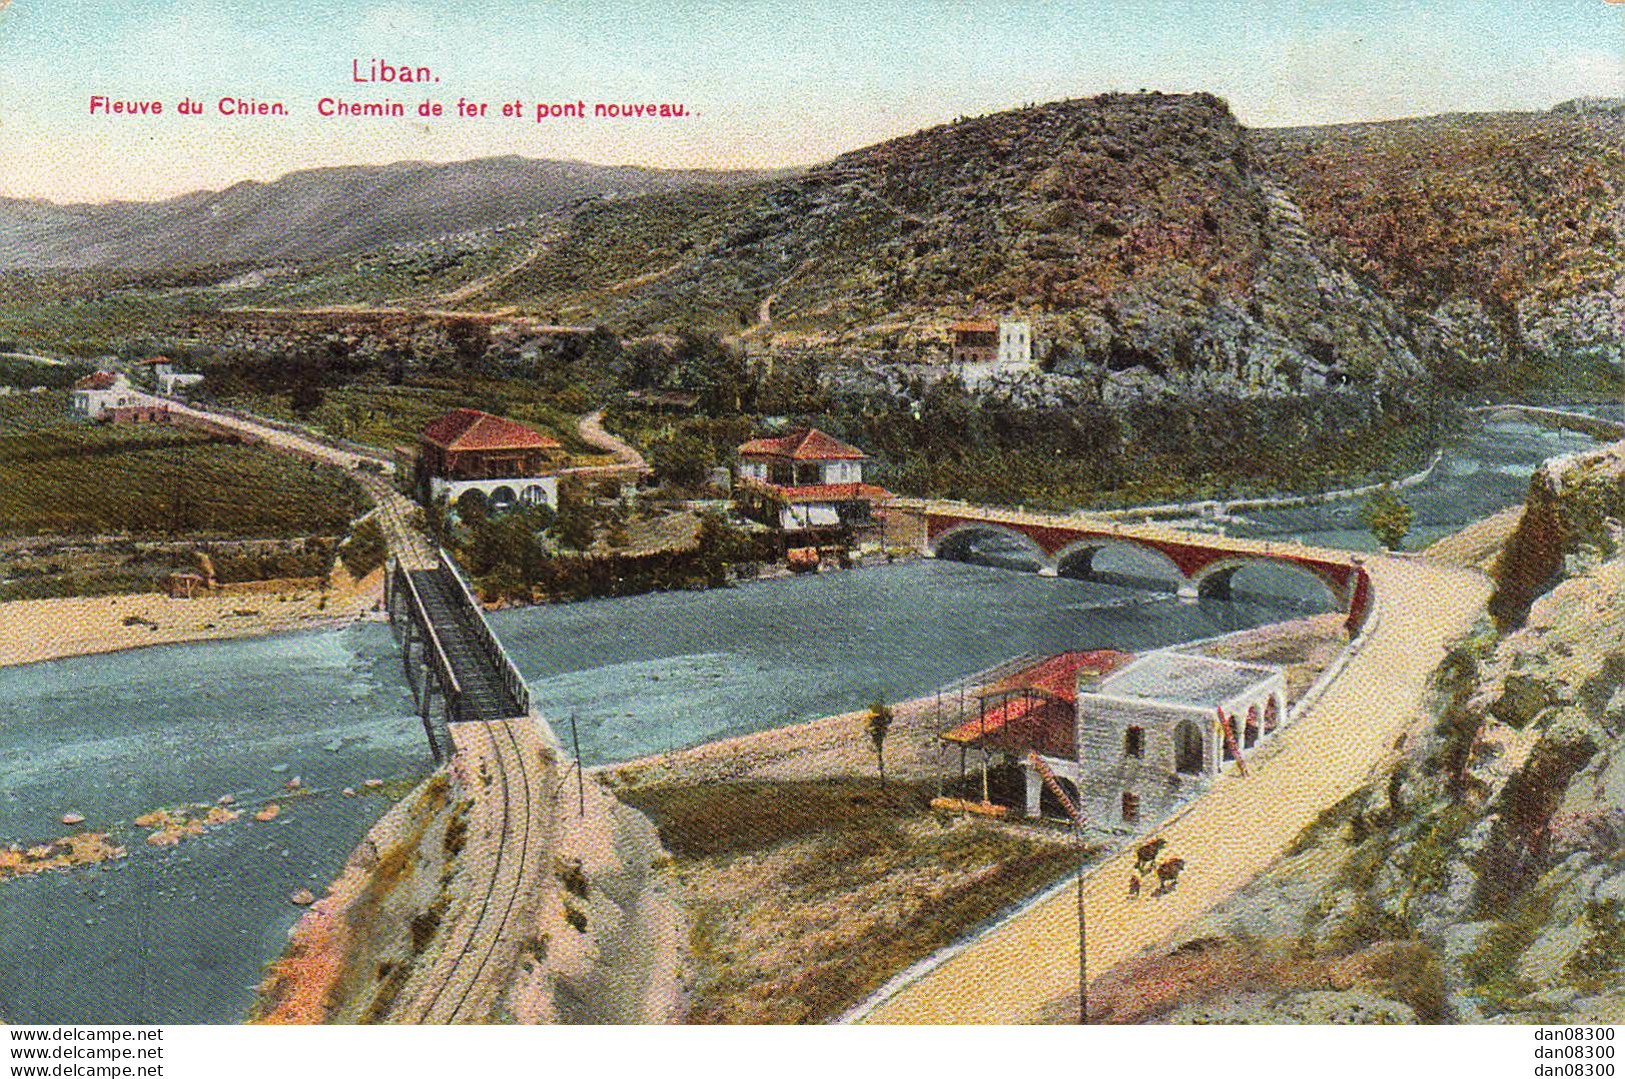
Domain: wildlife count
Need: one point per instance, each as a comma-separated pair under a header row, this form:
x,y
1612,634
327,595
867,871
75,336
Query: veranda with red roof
x,y
467,444
1035,708
806,482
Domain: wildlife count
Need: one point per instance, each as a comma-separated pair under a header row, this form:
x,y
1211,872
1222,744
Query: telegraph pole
x,y
1083,921
581,782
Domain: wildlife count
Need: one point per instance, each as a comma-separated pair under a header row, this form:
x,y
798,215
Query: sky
x,y
765,82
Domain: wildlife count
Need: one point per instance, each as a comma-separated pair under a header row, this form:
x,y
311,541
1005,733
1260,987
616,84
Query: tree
x,y
880,717
684,459
575,525
1388,518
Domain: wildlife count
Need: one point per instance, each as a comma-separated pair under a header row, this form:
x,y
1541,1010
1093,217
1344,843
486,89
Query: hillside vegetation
x,y
1501,232
1137,230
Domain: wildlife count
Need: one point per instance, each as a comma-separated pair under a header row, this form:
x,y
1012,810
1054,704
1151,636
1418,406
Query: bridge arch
x,y
1147,564
1216,581
956,543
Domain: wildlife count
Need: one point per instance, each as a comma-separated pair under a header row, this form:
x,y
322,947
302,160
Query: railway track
x,y
499,764
463,982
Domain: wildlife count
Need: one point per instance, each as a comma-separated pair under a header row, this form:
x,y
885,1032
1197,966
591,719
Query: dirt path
x,y
479,286
591,429
1025,970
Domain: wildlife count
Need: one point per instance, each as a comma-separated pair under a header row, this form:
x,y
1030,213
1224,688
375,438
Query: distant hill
x,y
1156,245
317,213
1151,237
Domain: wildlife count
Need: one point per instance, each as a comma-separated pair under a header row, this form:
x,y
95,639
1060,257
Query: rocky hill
x,y
316,213
1138,231
1503,235
1481,876
1156,244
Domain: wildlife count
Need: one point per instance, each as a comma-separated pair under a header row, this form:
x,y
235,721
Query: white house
x,y
1133,737
983,349
807,483
94,394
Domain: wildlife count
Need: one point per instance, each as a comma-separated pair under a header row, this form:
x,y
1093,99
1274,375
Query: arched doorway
x,y
1189,751
1272,714
1250,735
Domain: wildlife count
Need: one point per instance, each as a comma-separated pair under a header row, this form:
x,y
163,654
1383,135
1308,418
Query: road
x,y
1025,970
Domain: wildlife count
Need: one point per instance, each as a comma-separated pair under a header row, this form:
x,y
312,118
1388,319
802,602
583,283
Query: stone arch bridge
x,y
1203,565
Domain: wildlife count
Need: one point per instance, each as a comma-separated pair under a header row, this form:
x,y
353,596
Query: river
x,y
179,934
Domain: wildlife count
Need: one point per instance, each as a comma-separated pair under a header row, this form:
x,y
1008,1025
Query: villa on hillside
x,y
1132,734
499,460
95,394
982,348
809,487
164,376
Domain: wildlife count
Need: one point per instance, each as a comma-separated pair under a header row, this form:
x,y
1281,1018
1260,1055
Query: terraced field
x,y
60,476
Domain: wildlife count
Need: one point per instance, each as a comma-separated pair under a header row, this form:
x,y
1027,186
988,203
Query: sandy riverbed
x,y
42,629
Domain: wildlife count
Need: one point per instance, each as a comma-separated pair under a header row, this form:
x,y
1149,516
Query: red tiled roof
x,y
153,361
1058,675
1049,727
470,429
803,444
974,325
992,724
826,492
101,380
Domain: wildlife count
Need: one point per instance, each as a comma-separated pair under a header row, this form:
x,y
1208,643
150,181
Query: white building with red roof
x,y
982,348
1127,738
505,462
95,394
807,482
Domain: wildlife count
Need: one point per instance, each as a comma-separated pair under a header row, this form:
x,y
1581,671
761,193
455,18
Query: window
x,y
1134,742
1131,807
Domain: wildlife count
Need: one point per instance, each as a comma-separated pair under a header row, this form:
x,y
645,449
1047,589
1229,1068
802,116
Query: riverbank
x,y
808,881
35,630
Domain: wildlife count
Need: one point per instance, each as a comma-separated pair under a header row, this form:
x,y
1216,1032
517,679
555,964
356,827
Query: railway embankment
x,y
490,893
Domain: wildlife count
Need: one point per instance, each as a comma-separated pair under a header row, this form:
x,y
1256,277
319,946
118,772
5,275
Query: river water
x,y
179,934
1480,474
